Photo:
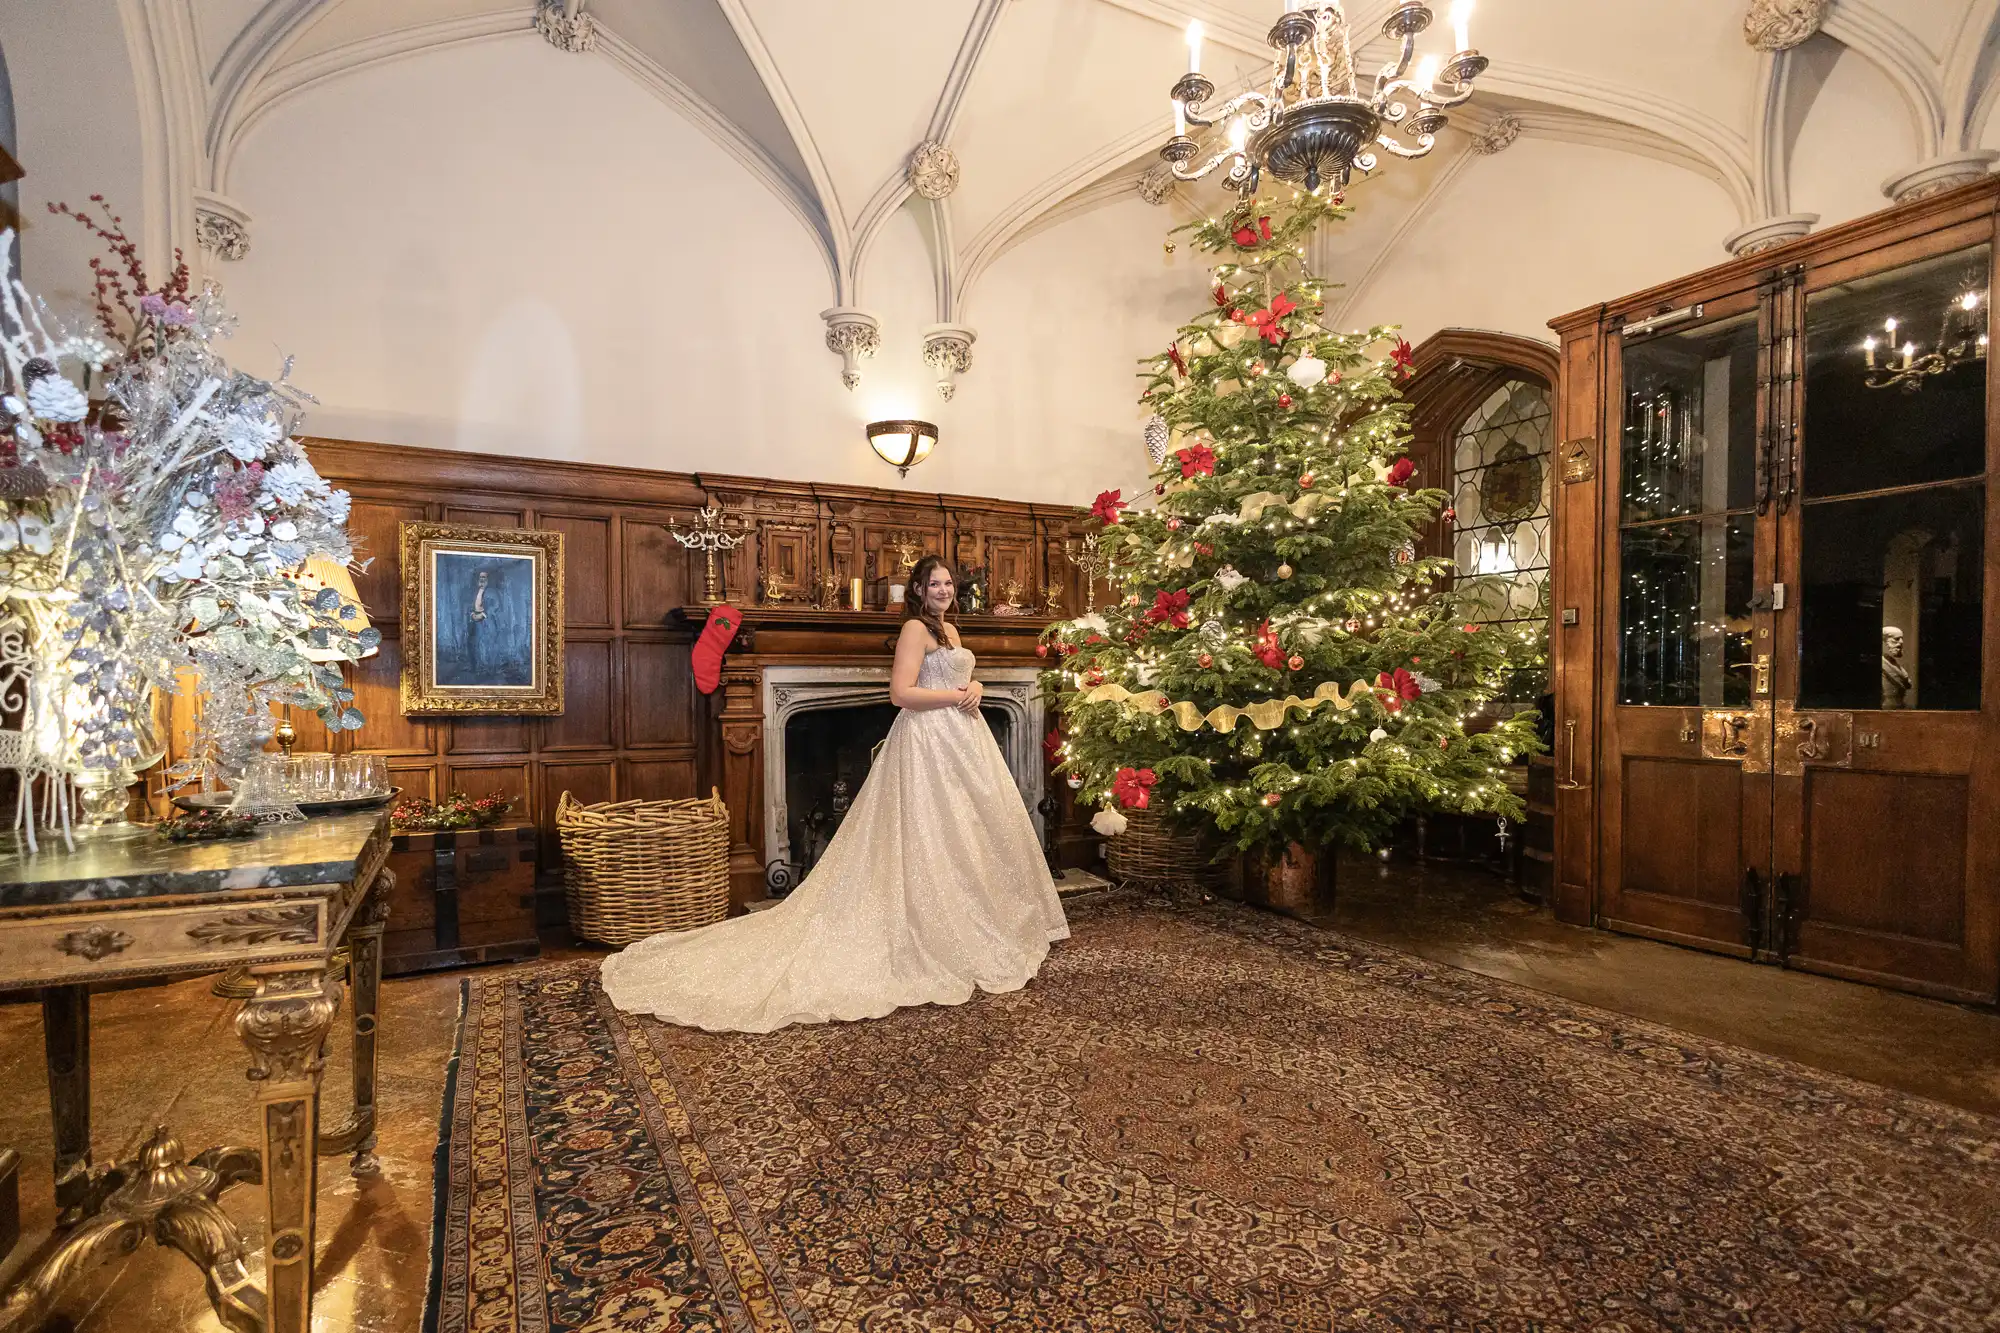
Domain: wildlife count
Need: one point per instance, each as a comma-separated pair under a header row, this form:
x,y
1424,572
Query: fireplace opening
x,y
827,756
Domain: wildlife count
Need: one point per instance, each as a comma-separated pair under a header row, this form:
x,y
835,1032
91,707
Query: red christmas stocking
x,y
713,643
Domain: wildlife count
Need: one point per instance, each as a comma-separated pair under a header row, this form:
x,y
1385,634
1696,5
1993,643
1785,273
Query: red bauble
x,y
1160,489
1094,678
1202,548
1449,515
1305,482
1173,525
1206,660
1272,798
1284,400
1041,650
1353,626
1296,662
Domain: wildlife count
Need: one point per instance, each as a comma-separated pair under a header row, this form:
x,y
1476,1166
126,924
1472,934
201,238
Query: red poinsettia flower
x,y
1221,295
1133,787
1106,506
1393,690
1052,743
1266,321
1268,651
1400,472
1197,460
1170,608
1248,236
1402,358
1470,629
1174,355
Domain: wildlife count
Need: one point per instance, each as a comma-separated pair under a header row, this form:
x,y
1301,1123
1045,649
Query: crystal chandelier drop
x,y
1314,125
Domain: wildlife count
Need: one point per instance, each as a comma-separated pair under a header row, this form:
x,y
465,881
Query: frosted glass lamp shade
x,y
902,444
322,573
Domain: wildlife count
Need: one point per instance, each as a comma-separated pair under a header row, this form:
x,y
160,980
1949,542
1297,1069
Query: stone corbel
x,y
1768,233
221,225
1940,174
565,26
948,352
854,335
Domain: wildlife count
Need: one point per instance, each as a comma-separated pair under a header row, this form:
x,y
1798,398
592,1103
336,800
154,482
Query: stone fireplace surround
x,y
789,690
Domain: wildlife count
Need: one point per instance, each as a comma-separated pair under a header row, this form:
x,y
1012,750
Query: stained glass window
x,y
1501,461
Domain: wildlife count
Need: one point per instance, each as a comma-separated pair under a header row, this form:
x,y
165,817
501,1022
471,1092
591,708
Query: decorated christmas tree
x,y
1279,663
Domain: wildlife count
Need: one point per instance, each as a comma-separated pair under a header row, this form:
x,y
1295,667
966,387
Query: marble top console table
x,y
298,910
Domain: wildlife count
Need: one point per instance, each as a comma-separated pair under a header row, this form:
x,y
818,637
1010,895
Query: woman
x,y
933,887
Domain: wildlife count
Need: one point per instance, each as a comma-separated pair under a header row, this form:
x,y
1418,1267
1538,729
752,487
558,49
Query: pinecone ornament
x,y
1156,438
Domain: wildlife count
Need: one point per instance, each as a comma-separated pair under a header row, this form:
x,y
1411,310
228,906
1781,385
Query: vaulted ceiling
x,y
1052,104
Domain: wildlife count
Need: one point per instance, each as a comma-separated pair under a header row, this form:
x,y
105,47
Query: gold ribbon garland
x,y
1265,714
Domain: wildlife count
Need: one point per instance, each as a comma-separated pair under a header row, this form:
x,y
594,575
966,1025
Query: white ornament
x,y
1075,781
1156,436
1425,683
53,398
1377,735
1108,822
1230,579
1306,371
1213,632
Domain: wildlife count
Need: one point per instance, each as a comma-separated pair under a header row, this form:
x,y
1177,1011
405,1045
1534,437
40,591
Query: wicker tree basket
x,y
1149,854
637,868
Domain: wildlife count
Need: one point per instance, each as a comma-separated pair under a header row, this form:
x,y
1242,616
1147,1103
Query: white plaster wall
x,y
1856,135
77,112
578,273
1514,242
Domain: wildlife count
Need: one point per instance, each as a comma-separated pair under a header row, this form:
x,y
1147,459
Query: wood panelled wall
x,y
631,721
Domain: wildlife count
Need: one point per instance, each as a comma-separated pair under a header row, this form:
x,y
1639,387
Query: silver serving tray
x,y
219,800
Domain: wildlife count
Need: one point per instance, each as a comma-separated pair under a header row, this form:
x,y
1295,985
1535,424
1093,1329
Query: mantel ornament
x,y
1497,137
1780,25
853,335
933,170
948,352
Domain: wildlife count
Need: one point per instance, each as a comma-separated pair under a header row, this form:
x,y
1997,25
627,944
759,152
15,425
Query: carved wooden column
x,y
1577,555
285,1025
742,727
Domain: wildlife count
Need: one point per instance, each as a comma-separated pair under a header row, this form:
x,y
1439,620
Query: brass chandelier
x,y
1314,125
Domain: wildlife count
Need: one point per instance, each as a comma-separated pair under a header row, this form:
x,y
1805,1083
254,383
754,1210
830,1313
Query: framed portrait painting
x,y
482,619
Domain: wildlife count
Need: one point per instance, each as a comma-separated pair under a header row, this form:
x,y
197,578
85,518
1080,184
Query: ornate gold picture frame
x,y
482,619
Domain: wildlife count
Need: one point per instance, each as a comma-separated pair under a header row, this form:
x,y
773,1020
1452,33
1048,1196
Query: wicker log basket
x,y
1150,855
637,868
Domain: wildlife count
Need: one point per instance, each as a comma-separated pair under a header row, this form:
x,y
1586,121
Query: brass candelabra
x,y
708,536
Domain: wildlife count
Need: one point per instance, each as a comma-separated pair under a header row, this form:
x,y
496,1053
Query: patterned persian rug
x,y
1196,1119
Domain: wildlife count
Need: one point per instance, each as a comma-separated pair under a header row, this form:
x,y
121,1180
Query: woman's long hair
x,y
913,597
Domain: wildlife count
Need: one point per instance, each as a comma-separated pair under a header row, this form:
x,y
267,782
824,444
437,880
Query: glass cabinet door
x,y
1686,516
1892,515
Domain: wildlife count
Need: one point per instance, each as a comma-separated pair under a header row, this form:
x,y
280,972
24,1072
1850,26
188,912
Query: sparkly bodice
x,y
945,669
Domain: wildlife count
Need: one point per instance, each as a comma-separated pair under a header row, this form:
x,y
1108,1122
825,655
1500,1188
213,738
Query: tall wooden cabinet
x,y
1777,643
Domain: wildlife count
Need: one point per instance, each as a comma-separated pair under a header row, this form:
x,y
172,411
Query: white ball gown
x,y
933,887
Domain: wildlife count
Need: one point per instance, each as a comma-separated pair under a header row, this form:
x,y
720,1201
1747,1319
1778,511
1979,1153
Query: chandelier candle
x,y
1315,125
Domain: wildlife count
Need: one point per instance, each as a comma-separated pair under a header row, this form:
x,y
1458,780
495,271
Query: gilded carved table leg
x,y
364,944
285,1026
172,1200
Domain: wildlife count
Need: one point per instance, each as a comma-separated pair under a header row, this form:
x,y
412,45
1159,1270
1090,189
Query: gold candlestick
x,y
708,537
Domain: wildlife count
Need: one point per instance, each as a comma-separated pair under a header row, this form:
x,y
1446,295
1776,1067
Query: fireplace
x,y
820,724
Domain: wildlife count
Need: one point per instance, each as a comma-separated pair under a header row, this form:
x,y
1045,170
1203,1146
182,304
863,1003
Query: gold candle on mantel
x,y
854,594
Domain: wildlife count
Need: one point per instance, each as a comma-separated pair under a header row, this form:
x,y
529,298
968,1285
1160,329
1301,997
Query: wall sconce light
x,y
902,444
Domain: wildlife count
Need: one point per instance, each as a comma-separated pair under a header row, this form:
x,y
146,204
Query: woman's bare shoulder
x,y
914,631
